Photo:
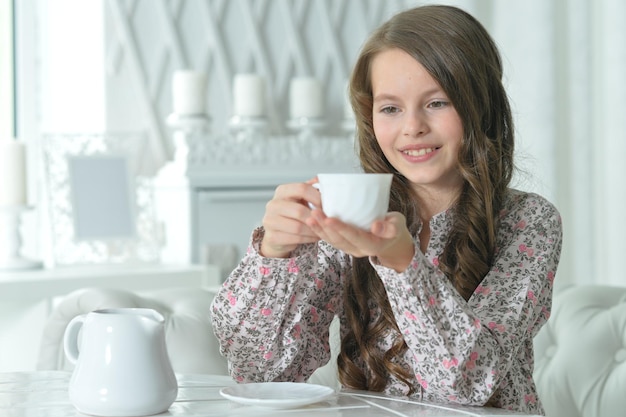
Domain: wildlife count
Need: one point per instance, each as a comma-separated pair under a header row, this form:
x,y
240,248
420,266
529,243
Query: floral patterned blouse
x,y
272,315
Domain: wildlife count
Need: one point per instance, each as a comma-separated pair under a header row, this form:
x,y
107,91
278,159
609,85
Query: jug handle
x,y
70,338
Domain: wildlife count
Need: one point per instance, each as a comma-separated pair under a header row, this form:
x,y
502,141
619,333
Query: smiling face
x,y
416,125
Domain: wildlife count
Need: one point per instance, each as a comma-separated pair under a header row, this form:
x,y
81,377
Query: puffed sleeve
x,y
272,316
465,352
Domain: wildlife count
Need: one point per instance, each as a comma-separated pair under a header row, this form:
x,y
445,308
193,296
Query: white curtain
x,y
565,64
605,143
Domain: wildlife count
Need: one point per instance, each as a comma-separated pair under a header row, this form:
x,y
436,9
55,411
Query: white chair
x,y
191,344
580,354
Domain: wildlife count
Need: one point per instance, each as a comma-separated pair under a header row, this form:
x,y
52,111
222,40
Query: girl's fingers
x,y
345,237
382,236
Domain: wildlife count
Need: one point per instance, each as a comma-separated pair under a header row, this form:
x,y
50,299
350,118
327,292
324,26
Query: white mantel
x,y
214,192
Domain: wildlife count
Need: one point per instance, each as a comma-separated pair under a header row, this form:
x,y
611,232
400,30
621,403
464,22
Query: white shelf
x,y
46,283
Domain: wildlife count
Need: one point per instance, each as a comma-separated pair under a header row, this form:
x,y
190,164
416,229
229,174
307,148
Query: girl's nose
x,y
414,124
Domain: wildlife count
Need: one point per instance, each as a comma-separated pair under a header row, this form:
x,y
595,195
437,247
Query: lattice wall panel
x,y
147,40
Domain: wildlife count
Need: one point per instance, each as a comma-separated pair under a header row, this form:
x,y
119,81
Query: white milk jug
x,y
121,363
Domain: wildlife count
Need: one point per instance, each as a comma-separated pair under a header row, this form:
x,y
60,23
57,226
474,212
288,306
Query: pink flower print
x,y
268,355
231,299
525,249
315,317
495,326
421,381
432,301
546,312
297,331
239,378
520,225
436,261
414,264
319,283
410,315
530,398
292,267
449,363
482,290
551,277
264,270
471,363
531,296
266,311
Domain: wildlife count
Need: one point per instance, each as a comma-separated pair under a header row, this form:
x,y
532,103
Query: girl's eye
x,y
389,110
437,104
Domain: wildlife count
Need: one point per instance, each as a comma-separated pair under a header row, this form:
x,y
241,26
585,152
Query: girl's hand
x,y
388,239
284,219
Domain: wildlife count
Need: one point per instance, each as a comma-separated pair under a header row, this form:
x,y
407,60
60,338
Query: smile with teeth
x,y
419,152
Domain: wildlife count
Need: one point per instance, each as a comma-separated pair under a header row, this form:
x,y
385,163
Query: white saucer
x,y
277,394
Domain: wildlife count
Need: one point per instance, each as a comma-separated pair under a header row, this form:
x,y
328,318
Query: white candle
x,y
188,92
249,95
305,98
12,173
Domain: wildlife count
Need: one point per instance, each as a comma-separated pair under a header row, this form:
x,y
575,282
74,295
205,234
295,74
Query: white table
x,y
44,394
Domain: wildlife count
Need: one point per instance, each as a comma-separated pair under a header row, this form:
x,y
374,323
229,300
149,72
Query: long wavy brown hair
x,y
461,56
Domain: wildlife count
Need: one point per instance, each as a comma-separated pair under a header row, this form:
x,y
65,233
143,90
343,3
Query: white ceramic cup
x,y
355,198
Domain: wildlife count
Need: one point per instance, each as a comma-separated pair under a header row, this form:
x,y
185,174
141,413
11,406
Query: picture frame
x,y
101,208
101,192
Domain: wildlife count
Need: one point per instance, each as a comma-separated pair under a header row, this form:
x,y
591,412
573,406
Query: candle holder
x,y
188,132
189,122
246,128
11,240
307,127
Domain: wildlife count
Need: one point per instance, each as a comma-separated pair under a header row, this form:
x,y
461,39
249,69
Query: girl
x,y
441,299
